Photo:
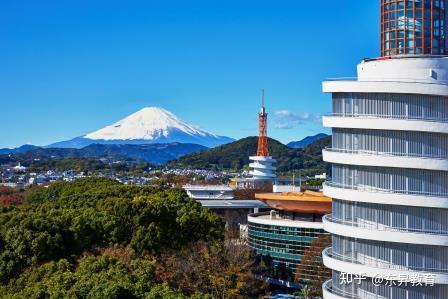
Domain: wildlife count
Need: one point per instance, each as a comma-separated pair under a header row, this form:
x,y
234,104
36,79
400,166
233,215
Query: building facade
x,y
283,236
413,27
389,183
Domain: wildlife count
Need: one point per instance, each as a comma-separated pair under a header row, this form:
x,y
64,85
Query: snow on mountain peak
x,y
149,123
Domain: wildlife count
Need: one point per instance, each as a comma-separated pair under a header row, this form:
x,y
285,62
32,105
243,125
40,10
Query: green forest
x,y
97,238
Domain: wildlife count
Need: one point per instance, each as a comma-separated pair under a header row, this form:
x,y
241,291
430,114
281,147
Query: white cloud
x,y
286,113
285,119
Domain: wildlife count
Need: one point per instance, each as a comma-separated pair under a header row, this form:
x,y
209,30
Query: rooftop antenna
x,y
262,98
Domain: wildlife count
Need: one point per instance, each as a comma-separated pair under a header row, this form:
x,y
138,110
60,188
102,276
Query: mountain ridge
x,y
21,149
306,141
147,126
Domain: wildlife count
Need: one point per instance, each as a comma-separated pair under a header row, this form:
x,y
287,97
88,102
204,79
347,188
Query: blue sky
x,y
71,67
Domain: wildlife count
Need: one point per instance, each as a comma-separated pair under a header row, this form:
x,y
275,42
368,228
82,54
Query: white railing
x,y
207,187
386,116
378,227
328,285
401,80
214,196
378,153
365,188
374,262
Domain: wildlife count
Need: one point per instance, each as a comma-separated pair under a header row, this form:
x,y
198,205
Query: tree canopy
x,y
97,238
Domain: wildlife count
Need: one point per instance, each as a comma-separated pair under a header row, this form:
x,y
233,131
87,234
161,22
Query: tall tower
x,y
262,150
389,157
262,168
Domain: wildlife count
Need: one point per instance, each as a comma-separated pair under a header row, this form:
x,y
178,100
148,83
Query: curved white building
x,y
389,156
389,183
262,167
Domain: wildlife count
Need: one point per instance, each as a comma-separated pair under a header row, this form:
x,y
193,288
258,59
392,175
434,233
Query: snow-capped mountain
x,y
148,125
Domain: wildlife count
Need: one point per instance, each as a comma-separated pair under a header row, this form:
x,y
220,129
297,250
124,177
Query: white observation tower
x,y
261,165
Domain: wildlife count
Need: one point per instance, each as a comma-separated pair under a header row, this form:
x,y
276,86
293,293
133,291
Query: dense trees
x,y
94,277
96,238
10,196
223,270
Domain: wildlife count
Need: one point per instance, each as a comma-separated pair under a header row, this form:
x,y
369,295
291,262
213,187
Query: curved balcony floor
x,y
387,234
262,166
330,292
384,123
352,193
390,86
263,219
346,266
382,159
266,159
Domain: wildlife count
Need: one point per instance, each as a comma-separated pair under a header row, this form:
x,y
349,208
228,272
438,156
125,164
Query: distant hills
x,y
306,141
151,153
18,150
306,159
235,156
147,126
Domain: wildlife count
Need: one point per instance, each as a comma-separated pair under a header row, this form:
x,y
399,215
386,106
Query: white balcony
x,y
331,292
388,197
383,233
390,86
347,264
262,166
384,122
369,158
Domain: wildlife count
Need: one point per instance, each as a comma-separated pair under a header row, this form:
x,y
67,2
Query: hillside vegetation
x,y
150,153
235,156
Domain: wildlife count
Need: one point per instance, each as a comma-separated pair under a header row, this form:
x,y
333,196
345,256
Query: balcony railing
x,y
385,154
374,262
380,227
402,80
328,285
372,189
387,116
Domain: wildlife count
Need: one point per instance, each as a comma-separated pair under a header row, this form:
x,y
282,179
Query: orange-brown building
x,y
284,235
299,202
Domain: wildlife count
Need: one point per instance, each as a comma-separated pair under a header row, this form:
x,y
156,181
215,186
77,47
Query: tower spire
x,y
262,149
262,98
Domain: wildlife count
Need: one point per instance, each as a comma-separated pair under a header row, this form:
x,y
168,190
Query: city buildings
x,y
389,156
284,235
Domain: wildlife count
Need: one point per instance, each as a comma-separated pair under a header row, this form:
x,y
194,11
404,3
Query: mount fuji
x,y
147,126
